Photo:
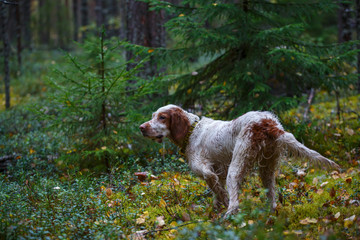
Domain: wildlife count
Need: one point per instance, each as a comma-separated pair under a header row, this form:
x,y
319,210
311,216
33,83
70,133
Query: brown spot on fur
x,y
178,124
266,130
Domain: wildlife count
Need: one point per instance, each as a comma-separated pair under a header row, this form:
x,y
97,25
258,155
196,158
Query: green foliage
x,y
97,101
334,138
21,133
256,55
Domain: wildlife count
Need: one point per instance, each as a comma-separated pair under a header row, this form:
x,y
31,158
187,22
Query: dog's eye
x,y
162,117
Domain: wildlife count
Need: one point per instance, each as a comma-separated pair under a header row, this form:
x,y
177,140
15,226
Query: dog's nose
x,y
142,127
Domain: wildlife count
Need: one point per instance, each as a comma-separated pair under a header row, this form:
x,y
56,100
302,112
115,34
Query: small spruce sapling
x,y
97,101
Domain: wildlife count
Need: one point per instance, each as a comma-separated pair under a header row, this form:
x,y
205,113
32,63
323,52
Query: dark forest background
x,y
30,26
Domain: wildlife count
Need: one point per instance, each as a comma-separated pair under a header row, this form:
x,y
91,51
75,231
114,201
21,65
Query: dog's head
x,y
169,121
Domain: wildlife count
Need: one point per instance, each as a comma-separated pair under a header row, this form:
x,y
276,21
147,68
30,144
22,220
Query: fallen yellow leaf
x,y
349,221
162,203
108,192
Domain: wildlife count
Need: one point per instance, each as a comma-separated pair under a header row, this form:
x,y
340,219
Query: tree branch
x,y
169,229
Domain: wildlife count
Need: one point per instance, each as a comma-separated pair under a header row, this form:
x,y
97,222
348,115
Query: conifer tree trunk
x,y
358,38
123,15
26,12
344,22
18,32
60,29
99,13
84,17
113,8
75,19
102,77
102,11
6,43
145,28
344,35
103,90
44,22
113,12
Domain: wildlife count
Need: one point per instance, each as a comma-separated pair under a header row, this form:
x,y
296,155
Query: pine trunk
x,y
102,77
344,22
18,32
26,11
144,28
60,29
75,19
113,12
103,90
102,11
123,15
84,17
358,38
99,13
6,43
344,35
44,20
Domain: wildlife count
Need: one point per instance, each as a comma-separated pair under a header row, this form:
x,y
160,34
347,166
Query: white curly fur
x,y
224,152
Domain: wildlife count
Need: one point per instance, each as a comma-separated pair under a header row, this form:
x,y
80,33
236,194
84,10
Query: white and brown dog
x,y
224,152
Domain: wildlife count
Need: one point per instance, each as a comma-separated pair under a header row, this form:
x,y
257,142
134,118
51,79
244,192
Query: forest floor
x,y
45,198
155,195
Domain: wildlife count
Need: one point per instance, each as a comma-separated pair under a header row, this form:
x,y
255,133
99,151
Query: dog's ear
x,y
179,125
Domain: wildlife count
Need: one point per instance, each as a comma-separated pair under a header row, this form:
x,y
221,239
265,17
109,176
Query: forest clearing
x,y
78,78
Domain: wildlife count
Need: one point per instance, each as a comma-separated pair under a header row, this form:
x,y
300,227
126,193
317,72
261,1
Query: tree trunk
x,y
145,28
18,32
344,22
358,38
44,23
113,12
6,43
113,8
309,102
59,24
344,35
123,19
102,11
102,77
26,11
103,90
99,13
75,19
84,18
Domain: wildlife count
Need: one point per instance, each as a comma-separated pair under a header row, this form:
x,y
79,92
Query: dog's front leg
x,y
203,169
219,191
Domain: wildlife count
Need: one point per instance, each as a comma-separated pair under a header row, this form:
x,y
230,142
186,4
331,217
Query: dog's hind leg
x,y
267,171
239,167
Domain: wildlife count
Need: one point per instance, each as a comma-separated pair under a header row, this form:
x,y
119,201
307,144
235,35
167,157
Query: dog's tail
x,y
298,150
